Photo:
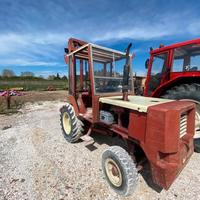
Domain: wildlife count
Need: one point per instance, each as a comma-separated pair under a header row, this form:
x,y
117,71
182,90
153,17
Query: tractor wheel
x,y
119,170
72,127
188,92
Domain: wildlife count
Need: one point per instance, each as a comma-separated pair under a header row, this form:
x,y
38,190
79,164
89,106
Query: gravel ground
x,y
37,163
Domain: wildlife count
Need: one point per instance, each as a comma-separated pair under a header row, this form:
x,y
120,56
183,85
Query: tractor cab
x,y
172,65
95,72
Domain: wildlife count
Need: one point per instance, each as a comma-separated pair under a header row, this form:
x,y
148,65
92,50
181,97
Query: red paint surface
x,y
172,77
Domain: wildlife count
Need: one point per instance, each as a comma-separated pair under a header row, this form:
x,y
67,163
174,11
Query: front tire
x,y
119,170
190,92
71,126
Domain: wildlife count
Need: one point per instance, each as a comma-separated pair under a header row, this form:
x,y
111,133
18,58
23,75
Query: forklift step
x,y
87,138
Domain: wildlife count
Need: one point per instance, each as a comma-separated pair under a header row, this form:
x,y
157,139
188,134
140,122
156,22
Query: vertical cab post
x,y
126,74
95,103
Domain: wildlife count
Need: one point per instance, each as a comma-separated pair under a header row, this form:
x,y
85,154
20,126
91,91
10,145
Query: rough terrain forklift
x,y
174,73
101,100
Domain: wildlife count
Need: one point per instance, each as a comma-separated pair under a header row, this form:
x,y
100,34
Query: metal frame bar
x,y
79,49
98,47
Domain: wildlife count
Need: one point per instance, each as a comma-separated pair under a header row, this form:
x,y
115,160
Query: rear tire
x,y
71,126
188,91
119,170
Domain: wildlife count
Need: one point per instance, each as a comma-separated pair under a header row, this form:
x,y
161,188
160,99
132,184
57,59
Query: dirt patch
x,y
17,102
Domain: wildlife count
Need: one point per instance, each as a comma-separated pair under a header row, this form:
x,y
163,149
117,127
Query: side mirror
x,y
147,63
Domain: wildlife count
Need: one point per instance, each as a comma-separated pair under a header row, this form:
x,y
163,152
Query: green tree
x,y
57,76
64,78
8,73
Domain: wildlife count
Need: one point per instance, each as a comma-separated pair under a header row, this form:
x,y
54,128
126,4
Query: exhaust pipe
x,y
126,73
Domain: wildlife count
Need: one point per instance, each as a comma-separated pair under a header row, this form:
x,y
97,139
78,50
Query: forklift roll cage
x,y
86,95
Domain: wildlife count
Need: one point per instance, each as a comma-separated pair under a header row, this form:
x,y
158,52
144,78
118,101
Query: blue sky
x,y
33,33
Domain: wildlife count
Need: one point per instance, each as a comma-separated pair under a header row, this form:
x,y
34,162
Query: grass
x,y
33,85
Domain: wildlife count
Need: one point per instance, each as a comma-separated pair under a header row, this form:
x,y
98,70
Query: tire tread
x,y
129,169
77,125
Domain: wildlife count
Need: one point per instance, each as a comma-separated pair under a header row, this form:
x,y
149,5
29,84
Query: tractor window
x,y
108,69
195,61
187,58
108,76
157,70
178,64
81,75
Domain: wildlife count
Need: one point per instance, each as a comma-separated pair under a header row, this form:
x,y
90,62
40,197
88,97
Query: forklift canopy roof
x,y
99,53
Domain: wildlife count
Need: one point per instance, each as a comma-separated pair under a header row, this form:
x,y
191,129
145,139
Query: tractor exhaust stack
x,y
126,74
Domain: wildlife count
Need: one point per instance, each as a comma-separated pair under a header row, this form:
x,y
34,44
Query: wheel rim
x,y
66,123
113,172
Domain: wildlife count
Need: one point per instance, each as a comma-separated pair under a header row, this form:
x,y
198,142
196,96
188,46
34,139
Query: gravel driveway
x,y
37,163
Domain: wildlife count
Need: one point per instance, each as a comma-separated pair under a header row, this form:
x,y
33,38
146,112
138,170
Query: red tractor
x,y
174,73
101,100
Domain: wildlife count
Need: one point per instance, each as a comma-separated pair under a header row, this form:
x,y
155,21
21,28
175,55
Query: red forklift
x,y
101,99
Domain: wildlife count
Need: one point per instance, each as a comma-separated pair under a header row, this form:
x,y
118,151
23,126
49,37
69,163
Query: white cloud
x,y
194,27
169,26
24,62
137,33
43,49
12,41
